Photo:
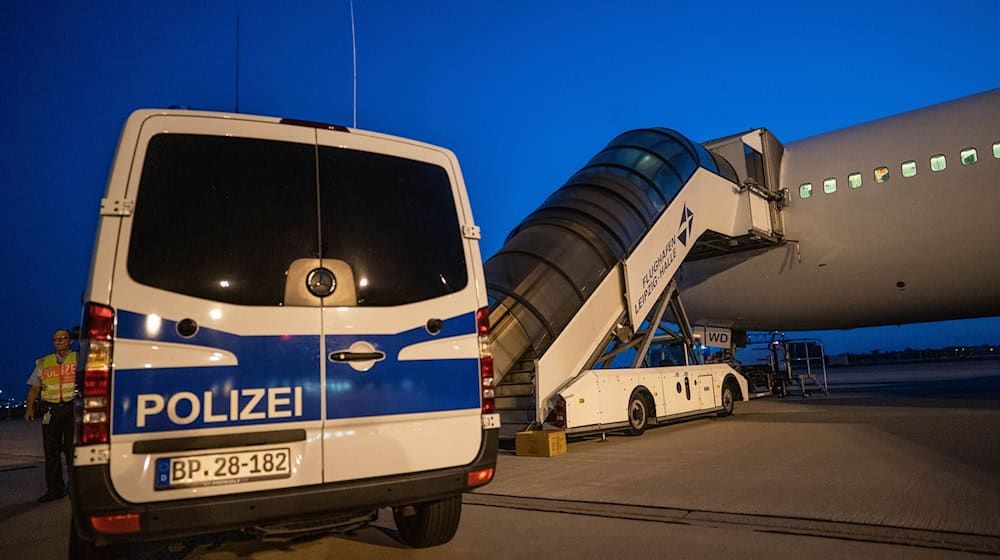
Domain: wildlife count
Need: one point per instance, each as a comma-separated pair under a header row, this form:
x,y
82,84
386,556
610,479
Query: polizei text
x,y
257,403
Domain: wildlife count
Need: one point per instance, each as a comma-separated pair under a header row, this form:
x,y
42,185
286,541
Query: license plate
x,y
222,468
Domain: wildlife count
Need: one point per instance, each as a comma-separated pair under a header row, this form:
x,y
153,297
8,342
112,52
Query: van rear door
x,y
217,382
400,344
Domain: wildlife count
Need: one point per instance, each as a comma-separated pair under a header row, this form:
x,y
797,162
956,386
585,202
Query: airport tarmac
x,y
900,461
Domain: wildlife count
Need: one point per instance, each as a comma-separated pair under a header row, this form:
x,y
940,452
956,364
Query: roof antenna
x,y
354,52
237,62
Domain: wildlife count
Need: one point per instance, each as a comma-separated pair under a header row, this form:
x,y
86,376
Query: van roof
x,y
143,114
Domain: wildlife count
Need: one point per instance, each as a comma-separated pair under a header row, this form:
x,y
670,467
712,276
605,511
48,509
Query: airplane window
x,y
805,190
854,180
996,150
938,162
881,174
829,185
969,156
909,168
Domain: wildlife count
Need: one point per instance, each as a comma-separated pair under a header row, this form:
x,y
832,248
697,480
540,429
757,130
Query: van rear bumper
x,y
93,495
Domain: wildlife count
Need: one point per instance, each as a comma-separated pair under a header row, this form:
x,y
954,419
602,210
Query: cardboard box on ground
x,y
540,444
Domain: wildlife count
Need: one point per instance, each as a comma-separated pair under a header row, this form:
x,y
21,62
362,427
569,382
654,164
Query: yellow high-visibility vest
x,y
58,380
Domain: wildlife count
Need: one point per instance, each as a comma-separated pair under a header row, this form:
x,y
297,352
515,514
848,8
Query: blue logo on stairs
x,y
687,223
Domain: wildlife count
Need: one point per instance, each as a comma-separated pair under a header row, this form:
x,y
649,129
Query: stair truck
x,y
588,330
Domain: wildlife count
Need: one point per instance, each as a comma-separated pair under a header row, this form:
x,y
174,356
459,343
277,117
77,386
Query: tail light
x,y
480,477
485,360
559,412
94,374
116,524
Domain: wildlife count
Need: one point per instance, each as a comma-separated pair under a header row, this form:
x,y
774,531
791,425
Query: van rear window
x,y
223,218
395,222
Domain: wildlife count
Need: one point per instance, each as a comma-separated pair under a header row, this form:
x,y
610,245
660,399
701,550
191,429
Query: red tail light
x,y
94,373
485,360
480,477
117,524
560,412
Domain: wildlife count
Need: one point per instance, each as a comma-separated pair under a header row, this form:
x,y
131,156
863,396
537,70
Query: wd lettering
x,y
718,338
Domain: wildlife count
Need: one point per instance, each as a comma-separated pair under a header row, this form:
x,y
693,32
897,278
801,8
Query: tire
x,y
429,523
728,398
638,414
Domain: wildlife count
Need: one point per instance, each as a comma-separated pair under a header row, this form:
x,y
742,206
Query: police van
x,y
285,328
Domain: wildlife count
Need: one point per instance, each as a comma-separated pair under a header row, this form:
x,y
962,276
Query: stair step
x,y
518,377
515,403
517,416
509,431
515,390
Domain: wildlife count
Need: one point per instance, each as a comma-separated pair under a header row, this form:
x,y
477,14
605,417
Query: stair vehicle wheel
x,y
638,414
428,523
728,398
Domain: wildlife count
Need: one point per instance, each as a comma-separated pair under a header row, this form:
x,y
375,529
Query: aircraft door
x,y
757,192
763,153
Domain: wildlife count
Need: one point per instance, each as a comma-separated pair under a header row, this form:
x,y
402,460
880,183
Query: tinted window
x,y
854,180
394,222
938,163
725,168
805,190
908,168
969,156
222,218
881,174
829,185
755,165
665,355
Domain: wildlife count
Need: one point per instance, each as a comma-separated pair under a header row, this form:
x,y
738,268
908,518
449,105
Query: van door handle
x,y
347,356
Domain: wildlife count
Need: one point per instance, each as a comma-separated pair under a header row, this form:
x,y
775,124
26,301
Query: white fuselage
x,y
913,248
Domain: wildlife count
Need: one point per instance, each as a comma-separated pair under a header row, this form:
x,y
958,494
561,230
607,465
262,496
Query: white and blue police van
x,y
285,326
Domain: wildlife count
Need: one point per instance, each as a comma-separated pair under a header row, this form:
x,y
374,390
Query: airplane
x,y
892,221
888,222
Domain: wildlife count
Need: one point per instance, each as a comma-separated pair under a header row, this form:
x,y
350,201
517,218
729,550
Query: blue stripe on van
x,y
277,380
392,386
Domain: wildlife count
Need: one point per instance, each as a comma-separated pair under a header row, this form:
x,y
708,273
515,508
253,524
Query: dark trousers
x,y
57,439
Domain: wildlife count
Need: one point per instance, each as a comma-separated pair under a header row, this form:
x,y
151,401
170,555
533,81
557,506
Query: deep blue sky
x,y
524,92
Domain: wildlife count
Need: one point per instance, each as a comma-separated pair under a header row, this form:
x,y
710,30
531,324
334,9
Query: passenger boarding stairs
x,y
515,397
587,272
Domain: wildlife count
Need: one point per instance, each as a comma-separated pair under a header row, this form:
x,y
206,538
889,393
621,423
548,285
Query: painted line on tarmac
x,y
799,526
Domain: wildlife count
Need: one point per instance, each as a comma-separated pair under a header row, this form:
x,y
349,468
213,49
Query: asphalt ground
x,y
899,461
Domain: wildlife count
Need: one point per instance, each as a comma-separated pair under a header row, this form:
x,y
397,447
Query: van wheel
x,y
429,523
638,414
728,399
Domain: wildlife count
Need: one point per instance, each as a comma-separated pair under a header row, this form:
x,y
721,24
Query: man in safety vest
x,y
54,377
